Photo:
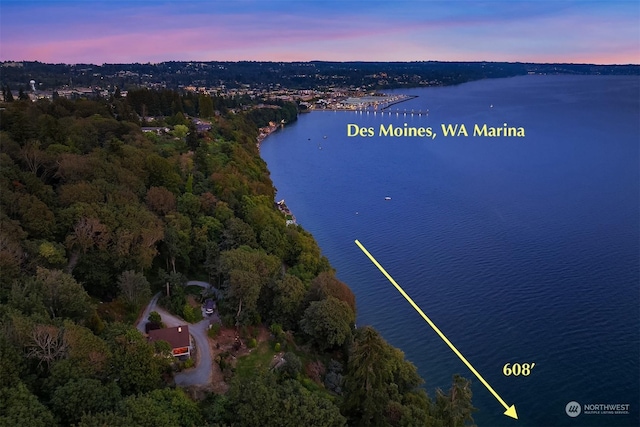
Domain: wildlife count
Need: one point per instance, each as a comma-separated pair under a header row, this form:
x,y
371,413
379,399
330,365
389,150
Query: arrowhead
x,y
511,412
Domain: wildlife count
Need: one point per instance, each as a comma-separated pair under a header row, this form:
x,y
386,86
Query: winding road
x,y
201,373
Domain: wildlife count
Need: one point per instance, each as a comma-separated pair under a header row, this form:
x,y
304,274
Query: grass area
x,y
258,360
314,387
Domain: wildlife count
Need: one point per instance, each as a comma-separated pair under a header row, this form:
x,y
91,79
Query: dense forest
x,y
97,215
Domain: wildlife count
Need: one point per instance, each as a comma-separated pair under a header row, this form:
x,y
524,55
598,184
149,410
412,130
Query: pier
x,y
397,112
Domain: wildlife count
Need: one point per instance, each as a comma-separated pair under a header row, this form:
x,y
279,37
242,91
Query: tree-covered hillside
x,y
97,215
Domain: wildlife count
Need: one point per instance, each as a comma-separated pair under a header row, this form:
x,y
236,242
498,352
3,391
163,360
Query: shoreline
x,y
265,131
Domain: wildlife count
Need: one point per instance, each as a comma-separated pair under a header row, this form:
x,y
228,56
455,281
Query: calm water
x,y
520,250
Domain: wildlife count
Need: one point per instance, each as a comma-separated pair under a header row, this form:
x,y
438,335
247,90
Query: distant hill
x,y
272,75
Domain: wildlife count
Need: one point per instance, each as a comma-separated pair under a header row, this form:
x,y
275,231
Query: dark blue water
x,y
519,249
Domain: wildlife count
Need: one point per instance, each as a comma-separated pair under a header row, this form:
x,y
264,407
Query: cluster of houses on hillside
x,y
308,99
202,126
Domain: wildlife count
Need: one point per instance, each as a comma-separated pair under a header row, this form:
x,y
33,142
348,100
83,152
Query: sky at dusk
x,y
600,32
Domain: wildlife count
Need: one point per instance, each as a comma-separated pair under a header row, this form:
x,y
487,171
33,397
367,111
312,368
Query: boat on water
x,y
387,198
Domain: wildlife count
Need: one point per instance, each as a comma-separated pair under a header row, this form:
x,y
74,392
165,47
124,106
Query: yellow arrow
x,y
510,410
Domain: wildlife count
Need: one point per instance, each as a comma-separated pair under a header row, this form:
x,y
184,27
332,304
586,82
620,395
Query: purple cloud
x,y
537,31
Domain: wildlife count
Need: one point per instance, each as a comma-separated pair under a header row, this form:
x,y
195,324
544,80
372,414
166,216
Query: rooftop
x,y
176,337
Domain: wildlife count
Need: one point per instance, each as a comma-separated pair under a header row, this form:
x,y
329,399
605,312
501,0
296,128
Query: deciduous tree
x,y
189,204
88,233
83,395
326,284
177,239
328,322
134,365
18,406
243,292
47,344
160,200
134,288
282,404
237,233
35,216
287,294
62,295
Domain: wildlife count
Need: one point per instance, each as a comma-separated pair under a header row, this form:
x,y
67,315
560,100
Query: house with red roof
x,y
178,338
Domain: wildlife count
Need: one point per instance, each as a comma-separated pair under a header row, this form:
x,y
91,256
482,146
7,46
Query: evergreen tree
x,y
22,95
6,94
455,408
205,102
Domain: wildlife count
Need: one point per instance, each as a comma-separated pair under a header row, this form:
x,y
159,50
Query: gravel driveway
x,y
201,373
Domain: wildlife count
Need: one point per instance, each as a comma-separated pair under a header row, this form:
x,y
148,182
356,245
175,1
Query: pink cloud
x,y
167,32
240,37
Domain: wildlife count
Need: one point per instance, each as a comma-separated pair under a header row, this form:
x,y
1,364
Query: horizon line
x,y
326,61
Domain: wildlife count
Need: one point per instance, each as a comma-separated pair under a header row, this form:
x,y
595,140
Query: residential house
x,y
178,338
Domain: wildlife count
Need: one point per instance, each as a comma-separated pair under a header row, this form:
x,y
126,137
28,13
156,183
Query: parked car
x,y
209,306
